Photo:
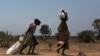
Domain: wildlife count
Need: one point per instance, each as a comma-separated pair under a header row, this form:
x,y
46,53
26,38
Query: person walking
x,y
29,39
63,33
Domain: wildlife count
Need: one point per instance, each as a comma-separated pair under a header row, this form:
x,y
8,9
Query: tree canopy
x,y
96,25
45,30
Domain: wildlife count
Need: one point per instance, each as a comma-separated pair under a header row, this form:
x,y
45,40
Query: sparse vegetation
x,y
4,39
81,54
86,36
50,44
57,36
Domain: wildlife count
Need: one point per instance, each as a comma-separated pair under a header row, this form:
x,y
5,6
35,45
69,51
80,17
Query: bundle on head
x,y
63,16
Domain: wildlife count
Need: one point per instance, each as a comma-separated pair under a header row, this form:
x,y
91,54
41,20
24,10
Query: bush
x,y
98,37
50,44
4,39
86,36
57,36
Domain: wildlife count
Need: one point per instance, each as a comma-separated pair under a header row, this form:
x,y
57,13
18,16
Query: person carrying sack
x,y
28,38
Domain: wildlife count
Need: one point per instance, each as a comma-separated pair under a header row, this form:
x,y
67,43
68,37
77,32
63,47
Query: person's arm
x,y
68,30
66,16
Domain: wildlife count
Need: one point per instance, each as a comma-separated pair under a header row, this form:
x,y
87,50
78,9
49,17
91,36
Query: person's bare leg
x,y
59,48
23,47
63,51
33,48
29,49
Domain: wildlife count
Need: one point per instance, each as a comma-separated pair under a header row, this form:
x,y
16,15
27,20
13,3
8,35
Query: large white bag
x,y
14,48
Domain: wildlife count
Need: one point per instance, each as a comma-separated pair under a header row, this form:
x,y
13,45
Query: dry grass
x,y
90,49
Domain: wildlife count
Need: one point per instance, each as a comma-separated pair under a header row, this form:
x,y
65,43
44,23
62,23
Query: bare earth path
x,y
92,49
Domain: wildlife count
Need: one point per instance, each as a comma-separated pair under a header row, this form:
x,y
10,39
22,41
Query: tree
x,y
45,31
50,32
96,25
86,36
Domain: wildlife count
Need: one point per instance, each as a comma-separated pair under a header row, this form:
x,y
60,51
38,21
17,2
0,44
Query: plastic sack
x,y
14,48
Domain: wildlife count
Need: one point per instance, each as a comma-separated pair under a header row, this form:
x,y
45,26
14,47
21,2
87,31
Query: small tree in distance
x,y
44,30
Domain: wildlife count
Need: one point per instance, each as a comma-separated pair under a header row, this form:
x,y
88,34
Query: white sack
x,y
14,48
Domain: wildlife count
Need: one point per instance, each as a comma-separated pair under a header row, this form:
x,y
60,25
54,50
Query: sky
x,y
16,15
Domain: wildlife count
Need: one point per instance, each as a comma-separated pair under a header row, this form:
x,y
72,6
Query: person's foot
x,y
37,43
57,51
29,53
20,53
64,54
34,53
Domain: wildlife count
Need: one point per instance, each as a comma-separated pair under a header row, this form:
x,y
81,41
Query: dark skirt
x,y
34,40
64,38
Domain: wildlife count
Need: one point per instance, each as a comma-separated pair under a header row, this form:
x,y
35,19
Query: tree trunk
x,y
98,28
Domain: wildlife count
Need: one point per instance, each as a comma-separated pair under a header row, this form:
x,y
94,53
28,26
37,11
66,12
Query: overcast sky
x,y
16,15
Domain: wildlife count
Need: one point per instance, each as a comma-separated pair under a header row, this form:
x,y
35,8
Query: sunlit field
x,y
89,49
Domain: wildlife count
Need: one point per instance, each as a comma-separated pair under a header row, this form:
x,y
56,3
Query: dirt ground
x,y
89,49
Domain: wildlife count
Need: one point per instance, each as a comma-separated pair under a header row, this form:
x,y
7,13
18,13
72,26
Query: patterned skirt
x,y
28,39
